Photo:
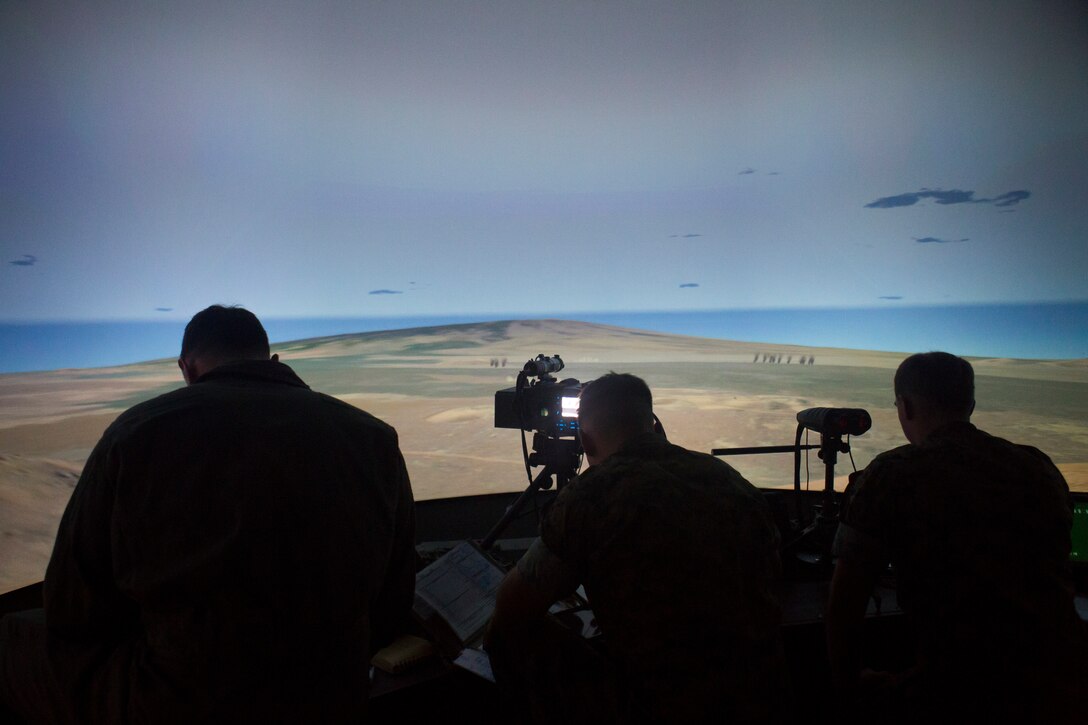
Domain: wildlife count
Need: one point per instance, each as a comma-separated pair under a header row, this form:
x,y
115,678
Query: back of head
x,y
616,405
943,382
222,334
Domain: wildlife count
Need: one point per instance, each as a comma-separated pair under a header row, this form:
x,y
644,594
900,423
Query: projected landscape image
x,y
436,386
410,193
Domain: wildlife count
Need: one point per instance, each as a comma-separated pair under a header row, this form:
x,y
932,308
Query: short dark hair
x,y
619,403
226,333
947,382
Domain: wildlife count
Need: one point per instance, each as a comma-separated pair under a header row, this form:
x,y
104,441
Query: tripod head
x,y
561,457
832,424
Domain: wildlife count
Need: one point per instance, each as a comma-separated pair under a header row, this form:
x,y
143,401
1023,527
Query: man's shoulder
x,y
351,412
867,503
697,466
946,446
1014,449
149,410
886,476
294,402
685,458
637,475
892,461
652,452
969,447
961,452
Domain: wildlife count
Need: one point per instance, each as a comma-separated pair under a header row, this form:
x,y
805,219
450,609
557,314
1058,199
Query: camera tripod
x,y
820,533
560,458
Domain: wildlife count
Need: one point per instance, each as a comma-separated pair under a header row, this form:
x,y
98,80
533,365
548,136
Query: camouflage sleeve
x,y
862,521
856,545
569,523
1058,502
546,572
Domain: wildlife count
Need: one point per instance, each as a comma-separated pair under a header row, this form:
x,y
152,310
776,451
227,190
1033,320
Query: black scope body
x,y
836,421
543,365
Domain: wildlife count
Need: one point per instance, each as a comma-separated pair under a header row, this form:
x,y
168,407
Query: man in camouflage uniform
x,y
678,556
978,530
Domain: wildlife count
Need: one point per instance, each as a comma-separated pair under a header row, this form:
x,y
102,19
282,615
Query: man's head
x,y
219,335
613,409
931,390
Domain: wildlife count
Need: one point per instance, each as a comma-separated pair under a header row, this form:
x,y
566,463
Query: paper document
x,y
461,587
477,662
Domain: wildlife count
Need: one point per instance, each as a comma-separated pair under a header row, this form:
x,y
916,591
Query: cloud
x,y
385,292
1010,198
952,196
935,240
684,236
946,197
164,309
748,170
688,285
890,297
773,173
28,260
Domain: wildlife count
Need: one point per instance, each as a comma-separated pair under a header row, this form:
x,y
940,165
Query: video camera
x,y
544,405
549,409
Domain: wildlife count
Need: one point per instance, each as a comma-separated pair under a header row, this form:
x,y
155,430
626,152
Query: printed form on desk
x,y
460,588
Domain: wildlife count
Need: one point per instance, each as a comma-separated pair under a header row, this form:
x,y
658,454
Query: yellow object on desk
x,y
402,654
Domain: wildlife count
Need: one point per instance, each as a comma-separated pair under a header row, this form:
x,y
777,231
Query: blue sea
x,y
1036,331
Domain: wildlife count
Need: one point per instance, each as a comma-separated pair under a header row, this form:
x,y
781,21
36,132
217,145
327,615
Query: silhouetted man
x,y
677,554
978,531
233,552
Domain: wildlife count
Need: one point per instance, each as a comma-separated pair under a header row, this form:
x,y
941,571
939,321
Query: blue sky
x,y
403,158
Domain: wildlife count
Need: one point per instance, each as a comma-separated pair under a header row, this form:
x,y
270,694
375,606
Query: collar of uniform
x,y
950,430
643,443
271,371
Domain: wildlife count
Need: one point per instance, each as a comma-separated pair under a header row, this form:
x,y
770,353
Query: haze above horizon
x,y
421,159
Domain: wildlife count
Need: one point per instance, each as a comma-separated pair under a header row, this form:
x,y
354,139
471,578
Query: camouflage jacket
x,y
978,531
678,555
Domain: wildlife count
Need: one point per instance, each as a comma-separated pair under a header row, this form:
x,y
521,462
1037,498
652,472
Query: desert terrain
x,y
436,386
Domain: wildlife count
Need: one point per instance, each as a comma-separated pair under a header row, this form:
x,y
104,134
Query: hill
x,y
436,385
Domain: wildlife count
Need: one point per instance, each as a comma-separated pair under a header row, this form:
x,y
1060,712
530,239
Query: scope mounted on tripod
x,y
836,421
544,405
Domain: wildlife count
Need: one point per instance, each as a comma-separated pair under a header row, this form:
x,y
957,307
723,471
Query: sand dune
x,y
459,415
437,385
33,494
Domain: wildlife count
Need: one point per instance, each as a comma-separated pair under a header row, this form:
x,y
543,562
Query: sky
x,y
426,158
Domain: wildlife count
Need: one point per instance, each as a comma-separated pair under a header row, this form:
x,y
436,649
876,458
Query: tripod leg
x,y
515,508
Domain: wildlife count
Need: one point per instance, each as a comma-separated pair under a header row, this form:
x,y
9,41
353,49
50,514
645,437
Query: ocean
x,y
1033,331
